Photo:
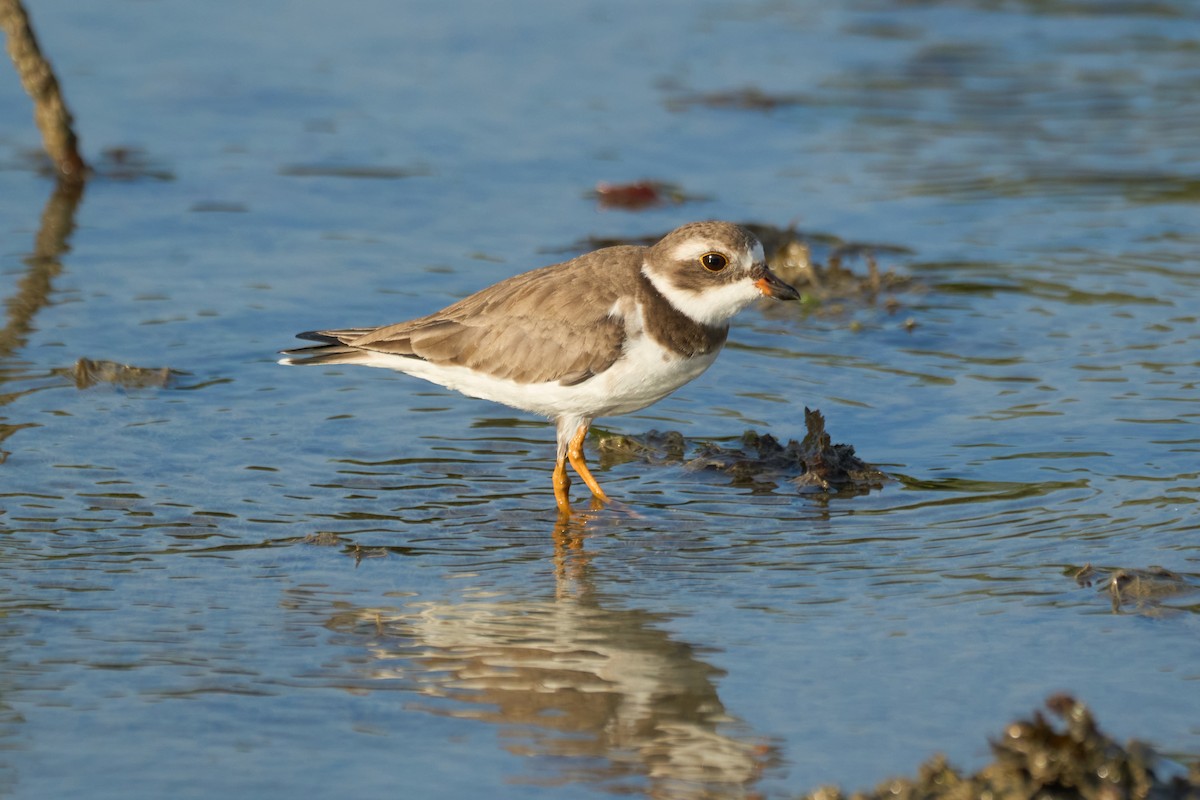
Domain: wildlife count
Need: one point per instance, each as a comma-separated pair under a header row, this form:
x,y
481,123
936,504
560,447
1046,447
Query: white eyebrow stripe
x,y
693,248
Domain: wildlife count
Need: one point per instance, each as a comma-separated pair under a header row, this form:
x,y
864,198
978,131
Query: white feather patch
x,y
712,306
692,249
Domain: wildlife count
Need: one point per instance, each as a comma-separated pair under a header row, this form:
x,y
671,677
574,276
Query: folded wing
x,y
536,327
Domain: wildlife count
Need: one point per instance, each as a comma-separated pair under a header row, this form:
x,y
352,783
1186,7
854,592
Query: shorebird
x,y
609,332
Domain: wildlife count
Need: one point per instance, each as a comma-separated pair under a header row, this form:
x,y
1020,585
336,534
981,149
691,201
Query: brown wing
x,y
551,324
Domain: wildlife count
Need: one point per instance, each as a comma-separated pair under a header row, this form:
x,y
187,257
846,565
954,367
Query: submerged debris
x,y
1148,591
827,286
369,171
1148,588
352,549
653,447
1032,759
747,98
323,539
88,373
361,552
120,163
831,466
129,163
1085,575
759,460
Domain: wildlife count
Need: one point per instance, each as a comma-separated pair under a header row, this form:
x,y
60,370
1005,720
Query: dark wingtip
x,y
311,336
318,336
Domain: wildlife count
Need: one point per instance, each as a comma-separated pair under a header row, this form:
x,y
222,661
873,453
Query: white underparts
x,y
644,374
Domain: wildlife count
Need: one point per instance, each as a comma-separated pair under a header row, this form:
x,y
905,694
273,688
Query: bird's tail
x,y
331,350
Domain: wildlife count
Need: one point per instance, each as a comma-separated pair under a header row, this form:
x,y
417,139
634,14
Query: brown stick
x,y
49,109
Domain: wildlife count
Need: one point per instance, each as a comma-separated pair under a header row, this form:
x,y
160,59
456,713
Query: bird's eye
x,y
714,262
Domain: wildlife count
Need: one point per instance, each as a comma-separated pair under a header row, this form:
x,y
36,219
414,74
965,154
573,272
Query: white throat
x,y
714,305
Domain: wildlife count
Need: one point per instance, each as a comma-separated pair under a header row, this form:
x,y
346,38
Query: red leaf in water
x,y
638,194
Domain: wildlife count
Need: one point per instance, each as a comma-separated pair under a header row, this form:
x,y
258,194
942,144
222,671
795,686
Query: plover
x,y
609,332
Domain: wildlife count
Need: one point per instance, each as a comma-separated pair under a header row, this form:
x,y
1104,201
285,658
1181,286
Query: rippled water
x,y
263,581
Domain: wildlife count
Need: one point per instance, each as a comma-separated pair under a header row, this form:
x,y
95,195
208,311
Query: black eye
x,y
714,262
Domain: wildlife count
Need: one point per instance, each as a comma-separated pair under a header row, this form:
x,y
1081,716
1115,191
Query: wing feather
x,y
556,323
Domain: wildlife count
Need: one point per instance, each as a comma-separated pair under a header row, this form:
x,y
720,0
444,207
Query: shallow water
x,y
258,580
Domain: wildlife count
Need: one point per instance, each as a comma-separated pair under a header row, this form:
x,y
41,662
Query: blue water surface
x,y
268,582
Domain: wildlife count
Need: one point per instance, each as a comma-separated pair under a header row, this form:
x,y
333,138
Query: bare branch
x,y
49,109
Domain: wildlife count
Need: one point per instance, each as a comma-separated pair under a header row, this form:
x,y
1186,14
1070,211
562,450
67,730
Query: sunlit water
x,y
267,582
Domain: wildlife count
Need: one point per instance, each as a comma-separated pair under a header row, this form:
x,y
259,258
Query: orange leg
x,y
562,488
575,454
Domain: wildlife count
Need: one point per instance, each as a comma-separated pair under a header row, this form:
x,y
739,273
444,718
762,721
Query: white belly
x,y
645,374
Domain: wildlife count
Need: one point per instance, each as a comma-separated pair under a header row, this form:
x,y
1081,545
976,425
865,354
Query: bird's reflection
x,y
597,693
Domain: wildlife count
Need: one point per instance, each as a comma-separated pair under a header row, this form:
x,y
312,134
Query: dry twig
x,y
49,109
